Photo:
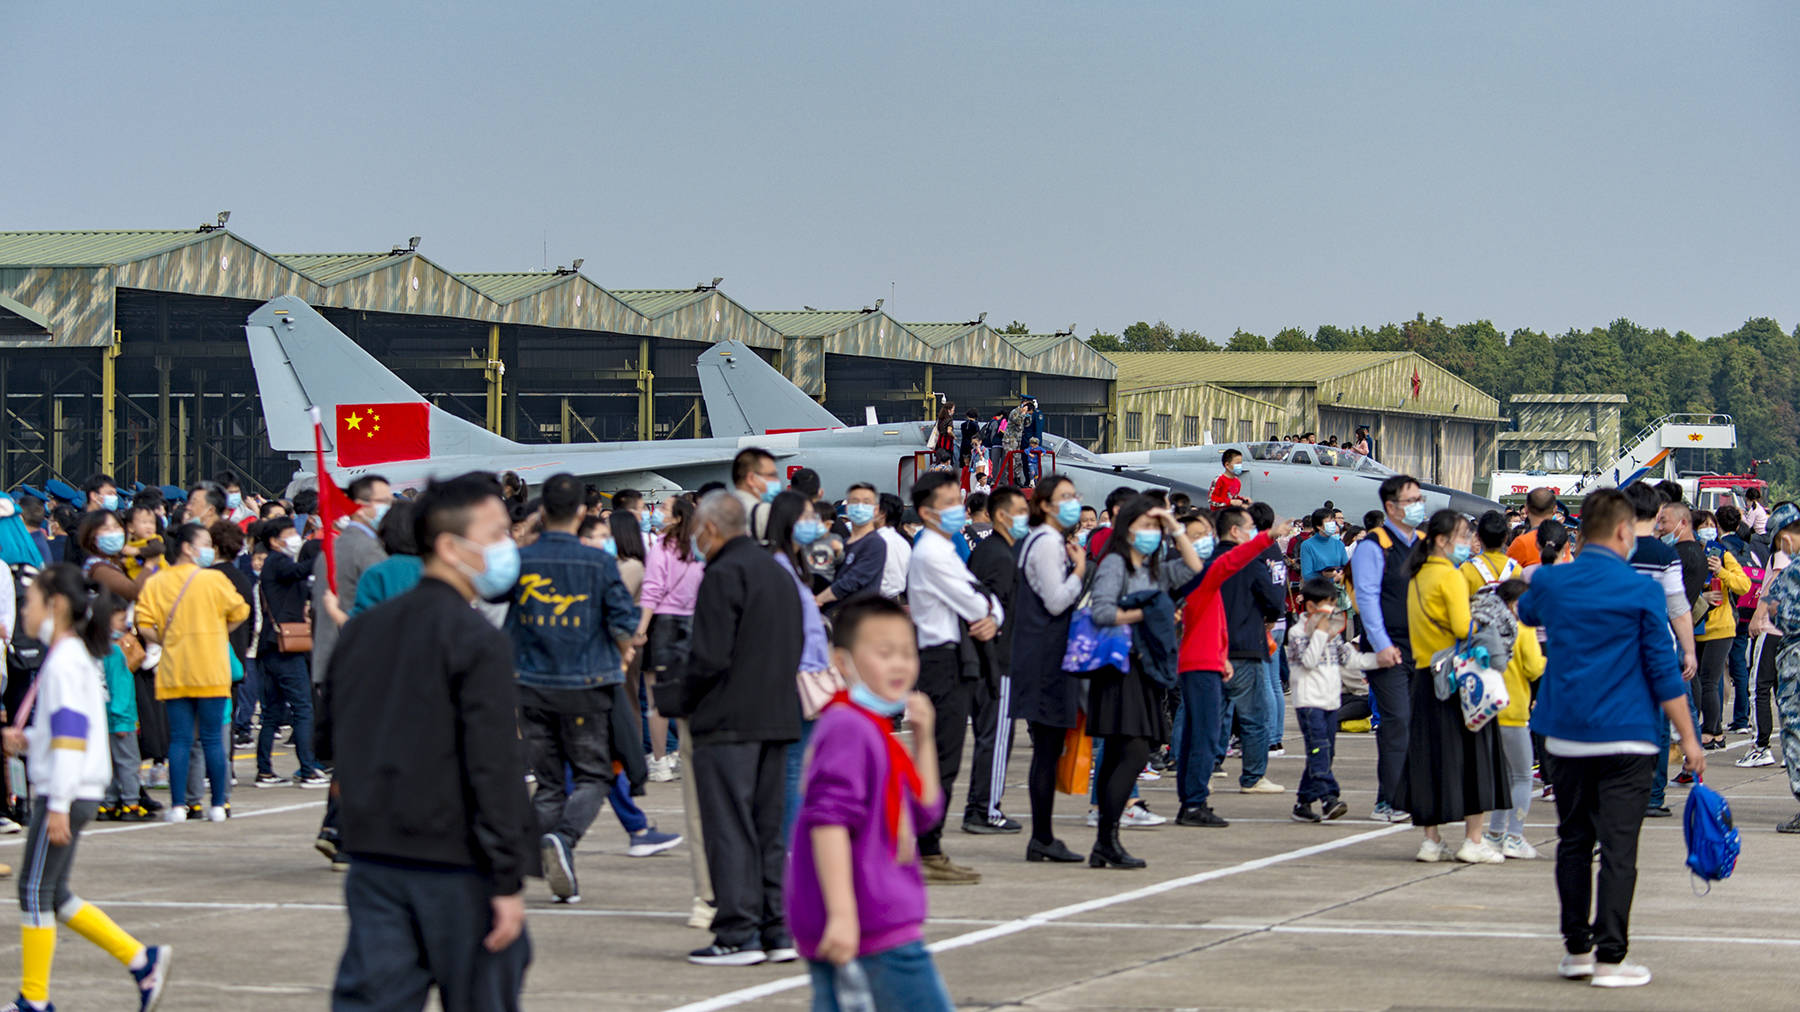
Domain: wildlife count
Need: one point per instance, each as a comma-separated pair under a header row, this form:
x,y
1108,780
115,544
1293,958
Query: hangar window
x,y
1270,432
1556,460
1190,430
1162,429
1509,460
1134,425
1221,429
1246,430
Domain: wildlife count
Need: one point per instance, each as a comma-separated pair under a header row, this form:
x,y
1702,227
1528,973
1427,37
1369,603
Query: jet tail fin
x,y
746,396
302,361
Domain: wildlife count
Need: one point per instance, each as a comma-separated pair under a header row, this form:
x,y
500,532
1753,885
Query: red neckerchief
x,y
898,758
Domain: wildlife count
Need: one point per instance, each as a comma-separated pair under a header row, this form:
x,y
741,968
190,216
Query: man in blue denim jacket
x,y
571,622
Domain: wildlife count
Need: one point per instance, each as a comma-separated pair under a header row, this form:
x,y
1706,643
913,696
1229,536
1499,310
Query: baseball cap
x,y
1785,516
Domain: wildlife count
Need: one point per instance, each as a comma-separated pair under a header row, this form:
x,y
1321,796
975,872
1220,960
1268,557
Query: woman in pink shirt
x,y
666,622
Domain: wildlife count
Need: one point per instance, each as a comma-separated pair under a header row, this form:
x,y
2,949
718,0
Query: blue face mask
x,y
610,547
1669,539
110,543
1460,554
808,531
381,511
1068,513
205,557
1020,526
110,503
1707,534
1239,468
1331,528
774,489
1081,538
648,524
500,569
1415,514
656,521
860,513
1206,546
866,698
1146,542
953,519
233,500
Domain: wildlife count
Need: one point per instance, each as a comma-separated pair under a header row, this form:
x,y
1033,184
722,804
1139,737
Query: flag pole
x,y
327,525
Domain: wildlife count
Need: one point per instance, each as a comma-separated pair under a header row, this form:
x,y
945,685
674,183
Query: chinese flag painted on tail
x,y
381,433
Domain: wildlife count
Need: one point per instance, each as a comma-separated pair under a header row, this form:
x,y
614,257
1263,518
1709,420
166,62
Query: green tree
x,y
1105,342
1243,340
1141,336
1292,339
1016,327
1193,340
1530,365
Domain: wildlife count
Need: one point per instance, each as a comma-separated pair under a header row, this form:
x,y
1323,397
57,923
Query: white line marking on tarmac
x,y
1013,927
134,827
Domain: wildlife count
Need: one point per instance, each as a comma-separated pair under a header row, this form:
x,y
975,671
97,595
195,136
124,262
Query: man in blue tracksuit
x,y
571,624
1612,677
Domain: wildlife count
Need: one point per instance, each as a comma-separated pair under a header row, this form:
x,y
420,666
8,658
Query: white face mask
x,y
291,544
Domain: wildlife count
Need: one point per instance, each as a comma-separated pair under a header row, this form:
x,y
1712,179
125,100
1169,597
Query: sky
x,y
1216,165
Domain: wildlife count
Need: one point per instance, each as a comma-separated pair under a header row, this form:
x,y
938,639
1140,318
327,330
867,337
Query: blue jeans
x,y
1659,776
1196,735
1319,729
1248,692
205,717
1740,677
630,815
1277,712
286,684
796,758
901,978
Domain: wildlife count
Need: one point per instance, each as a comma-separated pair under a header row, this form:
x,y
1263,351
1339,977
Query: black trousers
x,y
1391,691
993,723
952,695
582,743
741,787
413,927
1599,800
1040,786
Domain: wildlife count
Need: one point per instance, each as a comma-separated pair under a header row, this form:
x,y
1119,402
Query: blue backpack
x,y
1712,839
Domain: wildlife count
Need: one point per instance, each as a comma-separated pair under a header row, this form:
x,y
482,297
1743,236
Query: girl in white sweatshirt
x,y
65,741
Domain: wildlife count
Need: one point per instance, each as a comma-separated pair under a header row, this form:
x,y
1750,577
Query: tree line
x,y
1751,373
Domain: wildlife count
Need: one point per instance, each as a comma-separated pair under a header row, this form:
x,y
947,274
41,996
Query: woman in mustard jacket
x,y
1719,602
1451,774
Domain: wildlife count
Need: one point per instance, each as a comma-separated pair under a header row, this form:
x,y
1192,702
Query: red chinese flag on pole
x,y
382,433
1416,384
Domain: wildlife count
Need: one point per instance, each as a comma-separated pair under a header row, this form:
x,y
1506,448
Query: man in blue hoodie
x,y
1612,666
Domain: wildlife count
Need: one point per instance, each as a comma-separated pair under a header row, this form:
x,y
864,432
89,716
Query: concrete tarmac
x,y
1267,914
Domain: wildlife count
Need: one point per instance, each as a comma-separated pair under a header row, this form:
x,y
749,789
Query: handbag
x,y
816,689
1482,692
1094,647
133,649
293,637
1077,762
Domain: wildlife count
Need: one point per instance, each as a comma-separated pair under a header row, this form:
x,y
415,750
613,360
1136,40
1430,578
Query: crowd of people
x,y
812,669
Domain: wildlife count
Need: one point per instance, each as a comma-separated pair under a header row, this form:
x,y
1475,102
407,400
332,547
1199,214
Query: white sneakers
x,y
216,813
1139,817
1518,848
1477,852
663,770
1757,757
1432,851
1602,974
1576,967
175,813
1263,786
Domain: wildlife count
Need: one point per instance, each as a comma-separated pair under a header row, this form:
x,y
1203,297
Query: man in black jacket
x,y
1250,603
995,562
431,776
743,710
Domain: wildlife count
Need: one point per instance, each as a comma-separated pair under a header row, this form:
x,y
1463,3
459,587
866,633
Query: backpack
x,y
990,433
1712,839
1755,561
24,654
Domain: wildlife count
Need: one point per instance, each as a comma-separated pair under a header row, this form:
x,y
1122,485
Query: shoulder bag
x,y
290,637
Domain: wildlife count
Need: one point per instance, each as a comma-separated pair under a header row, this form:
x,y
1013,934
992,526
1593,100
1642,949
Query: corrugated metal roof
x,y
96,248
1265,368
654,302
812,322
939,334
1036,344
15,308
330,268
511,287
1225,391
1569,399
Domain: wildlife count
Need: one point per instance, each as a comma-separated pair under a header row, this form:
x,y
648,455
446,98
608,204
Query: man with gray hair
x,y
743,710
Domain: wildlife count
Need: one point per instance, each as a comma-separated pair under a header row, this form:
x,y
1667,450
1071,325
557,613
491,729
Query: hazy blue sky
x,y
1219,166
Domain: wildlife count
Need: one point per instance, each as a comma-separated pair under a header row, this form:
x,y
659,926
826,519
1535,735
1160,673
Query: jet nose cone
x,y
1473,505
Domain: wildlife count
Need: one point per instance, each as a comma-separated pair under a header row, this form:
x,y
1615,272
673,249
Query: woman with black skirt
x,y
1125,708
1052,567
1451,774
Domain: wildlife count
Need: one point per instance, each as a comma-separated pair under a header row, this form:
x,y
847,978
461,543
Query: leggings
x,y
1762,671
1516,741
1119,768
1715,657
1040,784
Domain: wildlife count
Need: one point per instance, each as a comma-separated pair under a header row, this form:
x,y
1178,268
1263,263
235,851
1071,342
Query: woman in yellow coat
x,y
1451,774
1728,582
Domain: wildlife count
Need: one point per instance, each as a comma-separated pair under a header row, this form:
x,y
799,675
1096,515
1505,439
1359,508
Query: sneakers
x,y
11,828
175,815
984,825
781,952
1684,778
1658,812
132,813
1233,752
701,917
1277,751
559,869
313,780
1790,826
1620,975
216,813
728,955
1759,756
1263,786
271,780
1432,851
153,976
1093,818
1576,967
1477,852
1741,729
1332,808
1139,816
646,842
1199,815
19,1004
1147,774
326,843
1518,848
661,770
1385,812
340,862
158,776
939,870
1303,812
1363,726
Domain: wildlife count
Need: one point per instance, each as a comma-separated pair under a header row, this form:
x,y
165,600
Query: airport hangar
x,y
125,350
1426,420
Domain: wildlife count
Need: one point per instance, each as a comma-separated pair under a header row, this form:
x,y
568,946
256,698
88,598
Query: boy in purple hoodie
x,y
854,891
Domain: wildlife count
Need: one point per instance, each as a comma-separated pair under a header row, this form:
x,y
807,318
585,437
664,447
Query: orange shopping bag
x,y
1077,762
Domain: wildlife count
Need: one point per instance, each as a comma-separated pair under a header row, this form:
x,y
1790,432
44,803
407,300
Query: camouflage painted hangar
x,y
1426,420
124,350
